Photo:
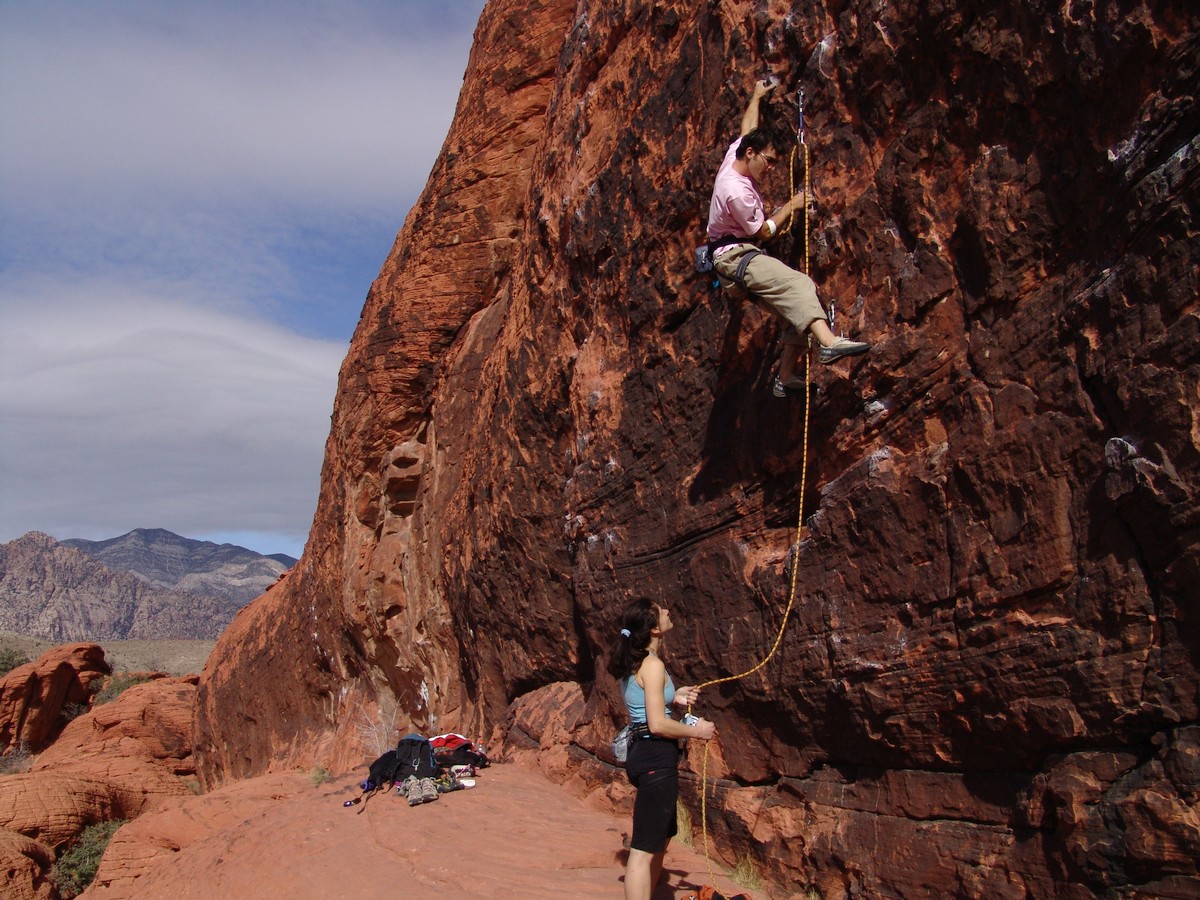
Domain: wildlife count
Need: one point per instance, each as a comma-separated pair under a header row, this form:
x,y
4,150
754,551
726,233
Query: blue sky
x,y
194,200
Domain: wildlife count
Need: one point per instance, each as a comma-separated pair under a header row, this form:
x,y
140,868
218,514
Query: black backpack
x,y
414,757
461,756
380,776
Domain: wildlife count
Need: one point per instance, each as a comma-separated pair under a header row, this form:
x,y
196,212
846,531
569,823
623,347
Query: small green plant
x,y
76,868
319,776
745,874
11,658
193,785
116,684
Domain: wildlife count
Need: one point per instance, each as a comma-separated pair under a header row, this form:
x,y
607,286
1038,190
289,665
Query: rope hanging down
x,y
802,149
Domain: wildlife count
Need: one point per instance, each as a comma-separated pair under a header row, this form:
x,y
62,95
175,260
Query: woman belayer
x,y
652,763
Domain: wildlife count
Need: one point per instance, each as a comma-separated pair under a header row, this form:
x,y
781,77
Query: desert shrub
x,y
116,684
72,711
16,760
319,776
10,658
76,868
745,874
378,733
683,823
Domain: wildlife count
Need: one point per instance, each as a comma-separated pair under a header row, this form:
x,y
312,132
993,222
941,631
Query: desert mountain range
x,y
148,584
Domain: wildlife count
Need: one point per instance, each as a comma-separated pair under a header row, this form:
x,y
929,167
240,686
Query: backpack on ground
x,y
380,776
456,750
461,756
414,757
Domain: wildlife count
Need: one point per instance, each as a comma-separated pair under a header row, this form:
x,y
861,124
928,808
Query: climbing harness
x,y
705,259
740,275
795,556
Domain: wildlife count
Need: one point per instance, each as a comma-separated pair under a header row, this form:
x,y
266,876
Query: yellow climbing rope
x,y
803,149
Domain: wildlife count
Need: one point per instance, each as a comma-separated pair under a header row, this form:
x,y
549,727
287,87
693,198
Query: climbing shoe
x,y
843,347
782,389
412,790
429,791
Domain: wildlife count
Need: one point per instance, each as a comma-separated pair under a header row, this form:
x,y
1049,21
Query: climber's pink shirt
x,y
736,207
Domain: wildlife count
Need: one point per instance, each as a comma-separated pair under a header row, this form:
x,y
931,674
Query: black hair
x,y
757,140
639,619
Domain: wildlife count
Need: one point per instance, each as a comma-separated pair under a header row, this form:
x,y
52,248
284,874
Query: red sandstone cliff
x,y
989,686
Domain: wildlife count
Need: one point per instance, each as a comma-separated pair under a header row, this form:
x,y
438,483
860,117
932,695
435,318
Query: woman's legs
x,y
652,768
642,871
656,867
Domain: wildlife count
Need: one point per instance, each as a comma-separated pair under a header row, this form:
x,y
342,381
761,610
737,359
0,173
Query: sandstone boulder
x,y
155,717
114,762
32,696
142,846
24,864
53,808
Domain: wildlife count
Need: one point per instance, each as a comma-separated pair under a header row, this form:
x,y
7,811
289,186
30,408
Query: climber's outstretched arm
x,y
750,116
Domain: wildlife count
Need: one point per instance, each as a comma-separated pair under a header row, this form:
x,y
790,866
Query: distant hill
x,y
176,563
147,585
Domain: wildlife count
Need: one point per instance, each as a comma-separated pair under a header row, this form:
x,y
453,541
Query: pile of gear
x,y
422,769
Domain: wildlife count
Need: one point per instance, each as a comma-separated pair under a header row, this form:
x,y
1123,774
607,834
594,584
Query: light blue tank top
x,y
635,698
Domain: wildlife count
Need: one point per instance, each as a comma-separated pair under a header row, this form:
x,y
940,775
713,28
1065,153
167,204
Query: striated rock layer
x,y
202,568
53,591
988,686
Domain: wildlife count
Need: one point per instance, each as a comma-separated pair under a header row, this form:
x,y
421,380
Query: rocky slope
x,y
53,591
167,560
989,684
65,766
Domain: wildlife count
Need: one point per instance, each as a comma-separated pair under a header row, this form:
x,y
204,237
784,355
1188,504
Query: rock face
x,y
167,560
988,683
58,593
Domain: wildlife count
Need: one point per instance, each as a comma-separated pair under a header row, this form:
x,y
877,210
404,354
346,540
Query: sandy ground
x,y
515,834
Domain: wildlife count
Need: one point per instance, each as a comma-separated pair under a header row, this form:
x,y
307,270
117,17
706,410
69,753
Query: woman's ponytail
x,y
632,641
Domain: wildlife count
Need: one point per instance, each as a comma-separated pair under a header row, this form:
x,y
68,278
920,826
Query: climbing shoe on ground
x,y
843,347
429,791
412,790
782,389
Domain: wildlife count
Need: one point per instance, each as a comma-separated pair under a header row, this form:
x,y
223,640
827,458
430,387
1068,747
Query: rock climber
x,y
652,761
738,224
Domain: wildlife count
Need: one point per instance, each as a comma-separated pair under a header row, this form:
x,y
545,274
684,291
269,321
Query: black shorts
x,y
653,768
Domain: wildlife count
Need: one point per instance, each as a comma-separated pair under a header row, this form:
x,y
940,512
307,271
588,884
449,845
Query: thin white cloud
x,y
127,411
185,190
